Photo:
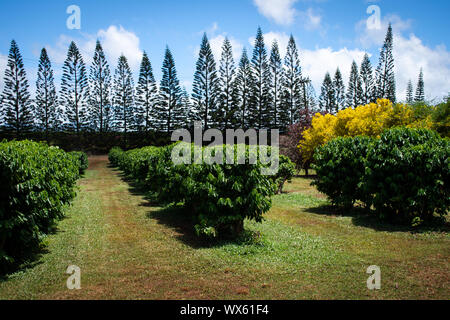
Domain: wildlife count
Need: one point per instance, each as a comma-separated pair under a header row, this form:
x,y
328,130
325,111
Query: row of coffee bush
x,y
219,197
404,175
36,183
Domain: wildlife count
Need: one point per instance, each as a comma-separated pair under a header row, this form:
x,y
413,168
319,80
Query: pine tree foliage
x,y
259,116
225,114
16,102
367,81
409,93
279,118
146,95
186,112
100,91
327,96
292,97
46,102
339,91
205,86
242,91
354,91
420,91
385,76
168,112
74,91
123,97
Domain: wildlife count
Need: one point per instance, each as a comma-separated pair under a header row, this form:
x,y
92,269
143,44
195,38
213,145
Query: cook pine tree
x,y
420,90
206,86
339,91
409,93
167,111
46,101
16,103
74,91
354,90
292,97
278,116
385,76
100,91
367,81
242,92
146,95
123,97
226,110
258,115
327,100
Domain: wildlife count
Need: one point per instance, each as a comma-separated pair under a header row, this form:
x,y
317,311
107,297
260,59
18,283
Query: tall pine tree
x,y
420,91
292,98
327,96
123,97
47,118
100,90
146,95
409,93
339,91
385,76
259,116
354,90
205,87
367,81
226,110
242,92
277,114
168,112
16,101
74,90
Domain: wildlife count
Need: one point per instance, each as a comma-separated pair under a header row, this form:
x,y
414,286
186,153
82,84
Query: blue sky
x,y
329,33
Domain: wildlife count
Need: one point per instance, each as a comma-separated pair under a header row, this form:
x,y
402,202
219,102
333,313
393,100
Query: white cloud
x,y
115,41
316,63
311,19
269,37
217,43
411,54
281,11
3,63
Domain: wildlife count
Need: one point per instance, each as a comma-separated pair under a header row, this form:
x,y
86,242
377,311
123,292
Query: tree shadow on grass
x,y
362,217
29,260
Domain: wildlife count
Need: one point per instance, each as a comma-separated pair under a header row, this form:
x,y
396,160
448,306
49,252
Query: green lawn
x,y
127,248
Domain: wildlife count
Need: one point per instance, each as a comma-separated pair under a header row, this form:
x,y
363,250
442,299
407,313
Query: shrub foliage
x,y
218,196
404,175
36,183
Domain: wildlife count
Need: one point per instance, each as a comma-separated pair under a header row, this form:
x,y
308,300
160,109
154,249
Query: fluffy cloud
x,y
217,43
115,41
316,63
281,11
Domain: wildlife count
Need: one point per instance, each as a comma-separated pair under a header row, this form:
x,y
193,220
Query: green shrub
x,y
218,196
408,174
285,173
340,167
82,159
404,175
36,183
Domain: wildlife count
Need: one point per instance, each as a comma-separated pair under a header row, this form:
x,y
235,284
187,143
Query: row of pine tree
x,y
364,86
264,92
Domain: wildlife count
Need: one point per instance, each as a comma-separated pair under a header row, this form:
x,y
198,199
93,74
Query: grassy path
x,y
128,249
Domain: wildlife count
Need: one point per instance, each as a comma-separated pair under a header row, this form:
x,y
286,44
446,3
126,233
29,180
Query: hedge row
x,y
36,183
218,196
404,175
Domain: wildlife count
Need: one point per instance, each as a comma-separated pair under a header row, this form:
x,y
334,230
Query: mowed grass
x,y
128,248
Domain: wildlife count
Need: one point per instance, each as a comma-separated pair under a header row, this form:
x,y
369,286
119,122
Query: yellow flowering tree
x,y
368,120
